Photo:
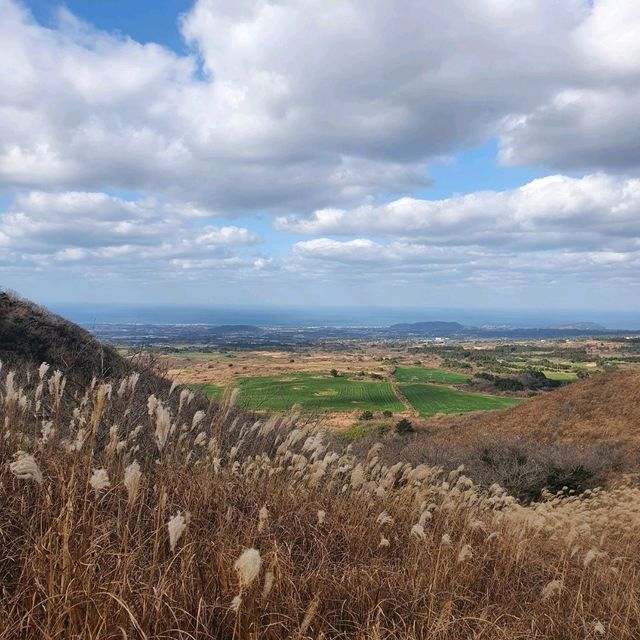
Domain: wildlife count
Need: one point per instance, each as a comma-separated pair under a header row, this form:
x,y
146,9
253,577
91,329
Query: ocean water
x,y
92,314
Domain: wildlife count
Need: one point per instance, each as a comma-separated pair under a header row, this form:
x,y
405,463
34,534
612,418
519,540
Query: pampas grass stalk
x,y
176,527
25,467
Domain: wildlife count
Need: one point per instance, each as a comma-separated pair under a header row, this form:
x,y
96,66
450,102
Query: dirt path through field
x,y
407,405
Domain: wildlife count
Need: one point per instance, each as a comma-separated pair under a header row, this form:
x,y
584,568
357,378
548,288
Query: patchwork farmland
x,y
313,392
430,399
424,374
413,381
424,389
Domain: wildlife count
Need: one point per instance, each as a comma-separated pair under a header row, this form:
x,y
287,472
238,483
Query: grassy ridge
x,y
315,392
429,399
424,374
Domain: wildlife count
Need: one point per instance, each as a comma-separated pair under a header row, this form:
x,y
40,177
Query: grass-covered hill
x,y
30,335
124,515
579,436
604,407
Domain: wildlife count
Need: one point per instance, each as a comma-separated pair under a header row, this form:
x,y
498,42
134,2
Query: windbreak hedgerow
x,y
130,511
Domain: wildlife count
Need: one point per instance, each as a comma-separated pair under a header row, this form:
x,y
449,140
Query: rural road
x,y
407,405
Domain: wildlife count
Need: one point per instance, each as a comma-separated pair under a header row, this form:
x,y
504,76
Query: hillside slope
x,y
129,516
583,435
30,334
605,407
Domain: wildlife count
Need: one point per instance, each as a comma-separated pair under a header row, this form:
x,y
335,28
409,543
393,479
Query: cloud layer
x,y
117,156
548,213
305,104
93,231
583,231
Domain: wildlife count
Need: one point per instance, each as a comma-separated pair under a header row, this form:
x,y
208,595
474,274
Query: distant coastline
x,y
338,317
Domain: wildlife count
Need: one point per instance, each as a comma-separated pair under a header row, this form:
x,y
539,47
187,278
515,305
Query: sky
x,y
451,153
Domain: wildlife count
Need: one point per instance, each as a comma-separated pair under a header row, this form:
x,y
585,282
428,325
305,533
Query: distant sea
x,y
92,314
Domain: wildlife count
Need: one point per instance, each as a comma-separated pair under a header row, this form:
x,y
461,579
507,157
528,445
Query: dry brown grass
x,y
343,547
213,368
601,408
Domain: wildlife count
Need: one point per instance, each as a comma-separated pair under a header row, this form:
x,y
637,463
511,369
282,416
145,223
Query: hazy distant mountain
x,y
432,328
440,329
579,326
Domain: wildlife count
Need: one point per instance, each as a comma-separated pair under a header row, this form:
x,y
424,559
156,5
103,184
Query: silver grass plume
x,y
132,476
269,579
25,467
551,589
263,517
99,480
176,527
248,567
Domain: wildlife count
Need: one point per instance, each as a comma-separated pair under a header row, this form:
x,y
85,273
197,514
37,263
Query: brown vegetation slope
x,y
30,335
581,436
194,524
130,515
605,407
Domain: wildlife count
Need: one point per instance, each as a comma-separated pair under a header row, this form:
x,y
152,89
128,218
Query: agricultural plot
x,y
313,393
212,391
429,399
424,374
567,376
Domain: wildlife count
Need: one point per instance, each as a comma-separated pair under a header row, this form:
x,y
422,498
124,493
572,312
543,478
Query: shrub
x,y
522,466
404,426
509,384
366,415
575,478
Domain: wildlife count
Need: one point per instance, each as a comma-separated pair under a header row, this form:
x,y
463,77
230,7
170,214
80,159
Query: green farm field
x,y
424,374
313,392
212,391
429,399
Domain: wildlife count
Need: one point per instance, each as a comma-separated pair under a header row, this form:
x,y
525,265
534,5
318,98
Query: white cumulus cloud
x,y
123,157
300,105
96,229
554,212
